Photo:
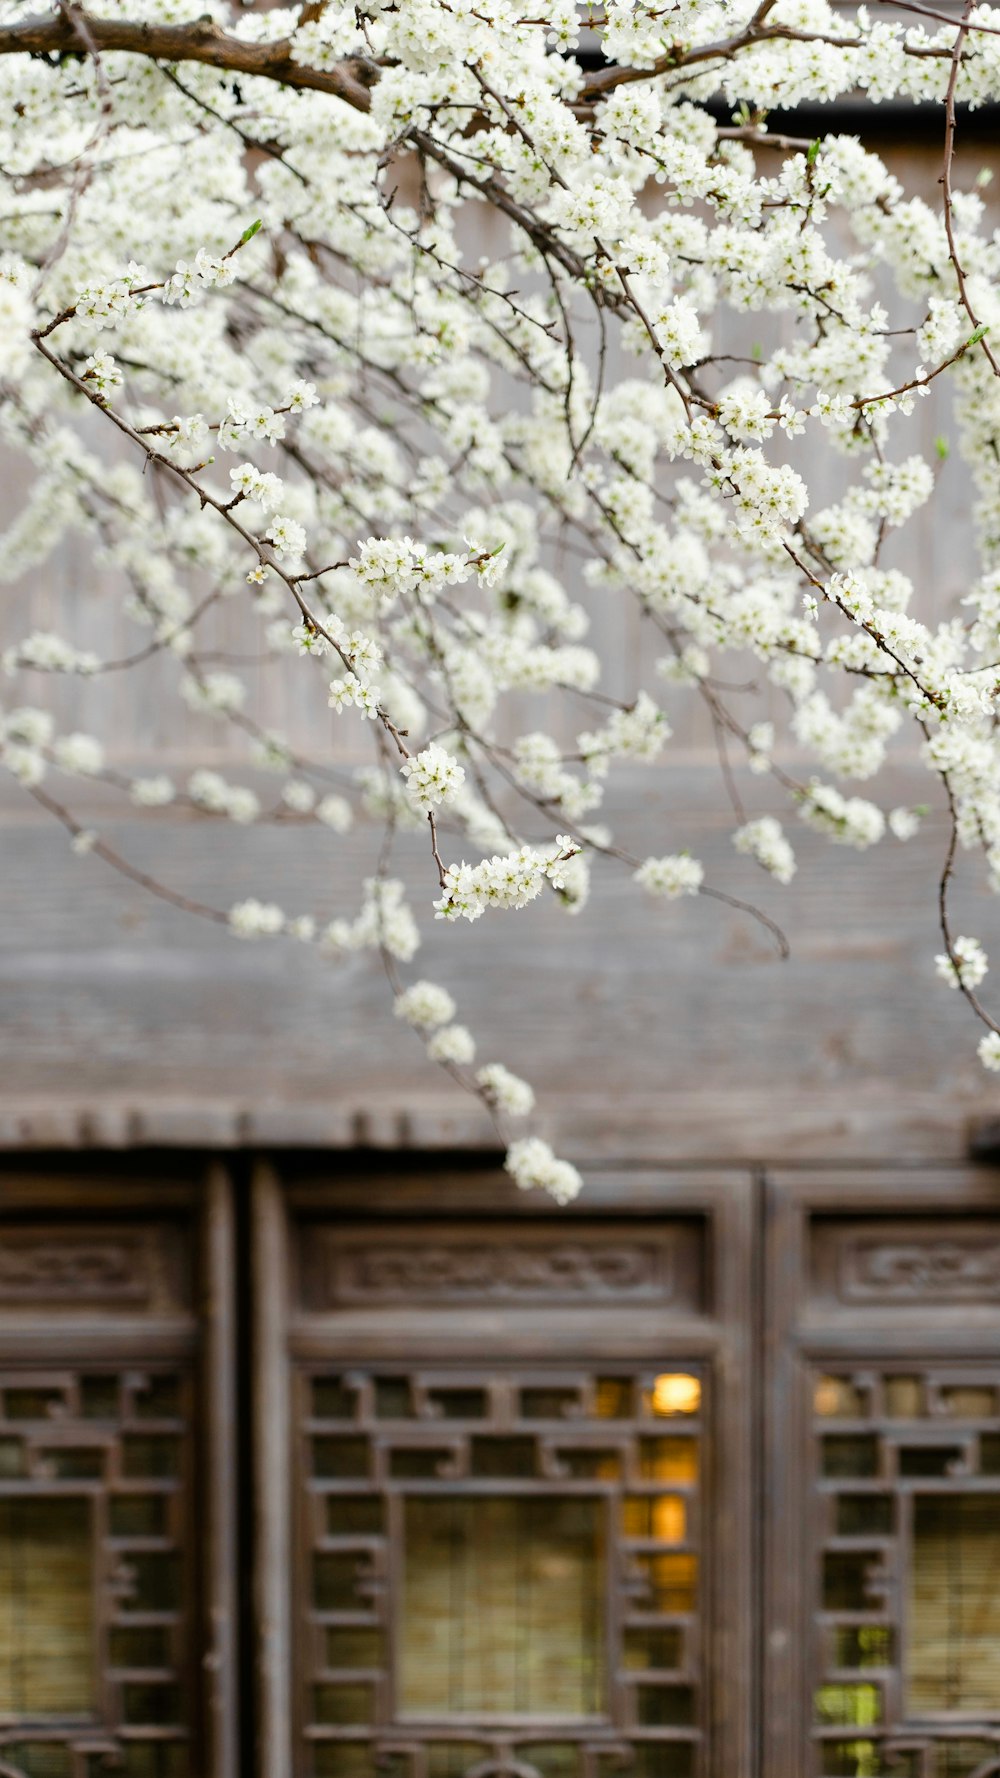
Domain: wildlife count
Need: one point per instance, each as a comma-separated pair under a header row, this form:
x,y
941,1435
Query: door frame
x,y
447,1191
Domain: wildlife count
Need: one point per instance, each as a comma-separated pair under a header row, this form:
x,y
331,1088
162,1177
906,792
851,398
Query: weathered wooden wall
x,y
650,1032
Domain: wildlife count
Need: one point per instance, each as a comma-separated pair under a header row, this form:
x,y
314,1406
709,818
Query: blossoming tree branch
x,y
251,356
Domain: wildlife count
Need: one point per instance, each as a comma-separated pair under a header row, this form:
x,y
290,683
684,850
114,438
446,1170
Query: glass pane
x,y
392,1398
865,1515
345,1759
43,1760
503,1456
653,1648
661,1759
458,1404
11,1457
46,1604
929,1460
416,1463
351,1515
549,1404
554,1759
158,1399
145,1646
613,1398
969,1402
670,1583
904,1398
838,1398
850,1456
867,1645
331,1400
340,1457
99,1398
665,1706
138,1515
33,1404
846,1580
155,1457
503,1606
354,1648
339,1581
668,1459
452,1759
350,1704
590,1466
675,1392
854,1706
663,1516
953,1648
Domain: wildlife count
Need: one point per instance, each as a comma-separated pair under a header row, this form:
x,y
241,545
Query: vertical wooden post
x,y
271,1446
219,1444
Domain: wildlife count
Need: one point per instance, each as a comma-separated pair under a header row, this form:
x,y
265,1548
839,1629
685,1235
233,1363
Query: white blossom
x,y
505,1091
677,874
424,1005
256,919
534,1167
433,777
966,966
454,1044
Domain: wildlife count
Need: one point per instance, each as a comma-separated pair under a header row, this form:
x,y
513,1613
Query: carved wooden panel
x,y
500,1572
97,1626
906,1485
908,1263
572,1267
133,1268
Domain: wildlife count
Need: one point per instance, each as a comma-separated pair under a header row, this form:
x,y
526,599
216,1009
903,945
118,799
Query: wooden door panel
x,y
882,1604
115,1571
518,1505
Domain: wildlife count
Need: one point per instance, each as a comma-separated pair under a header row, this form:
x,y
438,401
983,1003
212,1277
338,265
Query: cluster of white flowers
x,y
431,457
385,922
534,1167
211,791
967,965
433,777
677,874
507,1092
47,652
256,919
764,840
510,881
425,1005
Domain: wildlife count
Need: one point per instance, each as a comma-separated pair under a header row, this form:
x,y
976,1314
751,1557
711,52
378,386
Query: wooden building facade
x,y
326,1454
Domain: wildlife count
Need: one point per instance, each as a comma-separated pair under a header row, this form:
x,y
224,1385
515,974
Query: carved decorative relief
x,y
557,1272
950,1271
130,1268
34,1270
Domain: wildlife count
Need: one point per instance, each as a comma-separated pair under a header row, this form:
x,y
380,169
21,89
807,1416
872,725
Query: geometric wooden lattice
x,y
907,1495
500,1573
96,1620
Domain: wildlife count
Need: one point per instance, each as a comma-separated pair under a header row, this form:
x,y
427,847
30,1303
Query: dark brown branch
x,y
201,41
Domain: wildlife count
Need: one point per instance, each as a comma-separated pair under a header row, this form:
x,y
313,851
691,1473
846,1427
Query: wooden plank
x,y
219,1411
271,1433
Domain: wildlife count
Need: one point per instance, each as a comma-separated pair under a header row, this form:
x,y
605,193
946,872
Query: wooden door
x,y
116,1479
882,1608
509,1529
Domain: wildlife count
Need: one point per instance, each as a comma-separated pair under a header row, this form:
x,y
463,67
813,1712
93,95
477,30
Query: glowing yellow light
x,y
669,1518
676,1393
827,1396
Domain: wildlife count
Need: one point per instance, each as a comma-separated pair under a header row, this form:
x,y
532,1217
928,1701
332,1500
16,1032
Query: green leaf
x,y
812,152
977,336
248,233
942,447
